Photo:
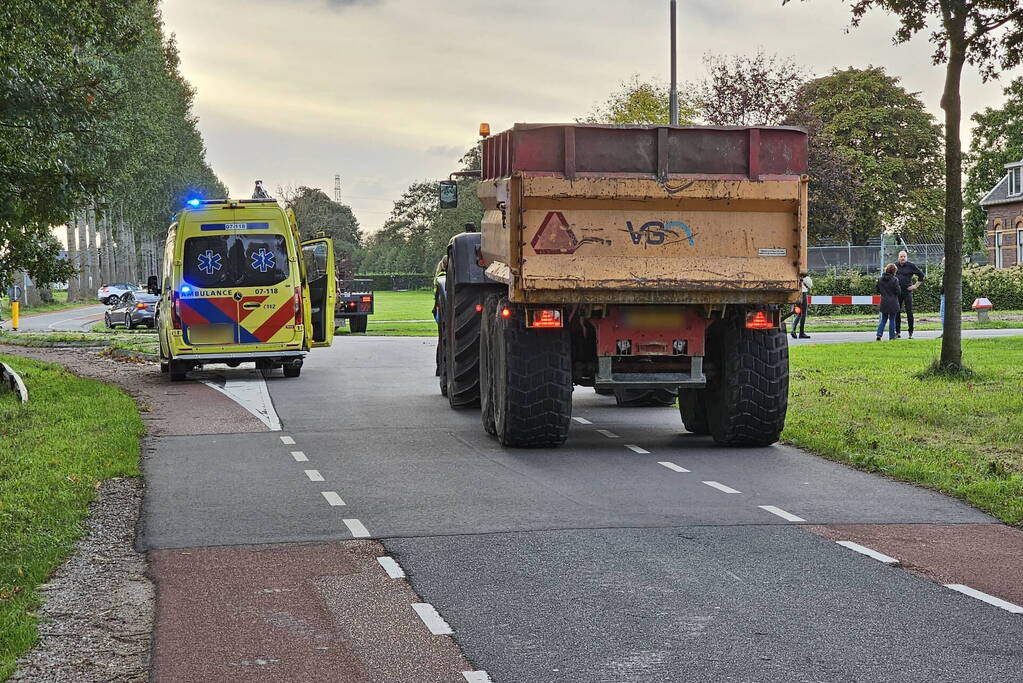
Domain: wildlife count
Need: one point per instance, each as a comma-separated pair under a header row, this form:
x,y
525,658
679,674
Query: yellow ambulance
x,y
239,286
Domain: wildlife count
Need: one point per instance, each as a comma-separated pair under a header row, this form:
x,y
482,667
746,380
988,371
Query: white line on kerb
x,y
434,621
788,516
673,467
636,449
299,456
477,677
721,487
582,421
610,435
333,498
314,475
864,550
989,599
287,440
392,567
357,529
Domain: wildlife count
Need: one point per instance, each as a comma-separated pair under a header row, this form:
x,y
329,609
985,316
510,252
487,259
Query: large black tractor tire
x,y
692,405
488,328
747,401
641,398
358,324
442,347
462,339
530,382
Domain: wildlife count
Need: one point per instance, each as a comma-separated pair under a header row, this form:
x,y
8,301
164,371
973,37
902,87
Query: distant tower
x,y
337,189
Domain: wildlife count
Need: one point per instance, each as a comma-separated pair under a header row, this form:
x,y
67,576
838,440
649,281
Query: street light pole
x,y
673,101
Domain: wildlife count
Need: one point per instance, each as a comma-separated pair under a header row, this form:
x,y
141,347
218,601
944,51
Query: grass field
x,y
863,404
73,434
394,310
129,340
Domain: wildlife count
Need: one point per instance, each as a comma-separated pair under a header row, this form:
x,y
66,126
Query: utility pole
x,y
337,188
673,103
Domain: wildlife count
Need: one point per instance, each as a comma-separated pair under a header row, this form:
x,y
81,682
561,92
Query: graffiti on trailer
x,y
658,233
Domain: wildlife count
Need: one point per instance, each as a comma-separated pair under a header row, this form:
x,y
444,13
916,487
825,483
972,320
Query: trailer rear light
x,y
506,312
761,320
367,299
547,318
298,305
798,310
479,308
352,305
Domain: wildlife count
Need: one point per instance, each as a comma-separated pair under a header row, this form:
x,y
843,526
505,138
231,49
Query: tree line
x,y
97,134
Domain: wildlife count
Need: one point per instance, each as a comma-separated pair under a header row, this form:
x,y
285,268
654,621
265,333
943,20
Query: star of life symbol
x,y
209,261
262,260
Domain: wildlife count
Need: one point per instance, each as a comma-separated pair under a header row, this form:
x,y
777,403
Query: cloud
x,y
455,151
342,4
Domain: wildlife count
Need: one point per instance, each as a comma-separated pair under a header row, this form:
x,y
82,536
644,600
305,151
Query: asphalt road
x,y
75,319
636,552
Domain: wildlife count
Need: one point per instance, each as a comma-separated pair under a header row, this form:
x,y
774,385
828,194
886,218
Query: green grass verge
x,y
54,452
397,314
129,340
863,404
59,303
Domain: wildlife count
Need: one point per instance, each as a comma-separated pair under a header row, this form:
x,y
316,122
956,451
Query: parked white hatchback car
x,y
111,294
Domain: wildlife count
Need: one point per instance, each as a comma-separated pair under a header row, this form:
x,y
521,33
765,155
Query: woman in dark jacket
x,y
888,287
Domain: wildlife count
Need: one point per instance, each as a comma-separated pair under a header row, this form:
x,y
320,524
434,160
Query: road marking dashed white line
x,y
434,621
673,467
582,420
721,487
636,449
610,435
477,677
314,475
788,516
287,440
357,528
333,498
299,456
392,567
989,599
864,550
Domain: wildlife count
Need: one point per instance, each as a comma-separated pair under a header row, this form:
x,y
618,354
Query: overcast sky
x,y
386,92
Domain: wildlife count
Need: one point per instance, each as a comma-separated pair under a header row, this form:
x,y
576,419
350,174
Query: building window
x,y
999,256
1015,181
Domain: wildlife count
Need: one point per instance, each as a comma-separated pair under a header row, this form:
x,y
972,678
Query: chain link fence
x,y
871,258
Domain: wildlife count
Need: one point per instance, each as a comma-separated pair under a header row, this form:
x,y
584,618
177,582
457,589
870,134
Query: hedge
x,y
1003,286
398,281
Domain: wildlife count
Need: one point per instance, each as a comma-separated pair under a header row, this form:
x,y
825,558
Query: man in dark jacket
x,y
905,270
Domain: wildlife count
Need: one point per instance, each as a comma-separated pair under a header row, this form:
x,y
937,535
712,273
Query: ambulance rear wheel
x,y
292,370
358,324
266,369
178,371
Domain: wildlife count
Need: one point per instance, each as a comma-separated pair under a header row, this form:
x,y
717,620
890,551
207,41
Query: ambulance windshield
x,y
235,260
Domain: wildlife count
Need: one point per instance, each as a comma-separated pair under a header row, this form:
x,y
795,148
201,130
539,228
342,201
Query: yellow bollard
x,y
15,305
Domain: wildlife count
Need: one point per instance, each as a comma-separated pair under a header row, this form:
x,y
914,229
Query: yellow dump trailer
x,y
642,261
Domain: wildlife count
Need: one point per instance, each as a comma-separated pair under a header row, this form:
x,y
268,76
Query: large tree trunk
x,y
94,271
73,290
951,340
83,256
106,260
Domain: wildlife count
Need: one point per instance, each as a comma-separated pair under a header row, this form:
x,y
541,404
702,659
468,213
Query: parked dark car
x,y
133,309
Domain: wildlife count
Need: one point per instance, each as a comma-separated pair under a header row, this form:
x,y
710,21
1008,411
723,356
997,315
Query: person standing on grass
x,y
905,272
889,289
807,284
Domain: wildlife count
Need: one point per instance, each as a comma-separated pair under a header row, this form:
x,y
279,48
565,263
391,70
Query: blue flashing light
x,y
185,289
194,203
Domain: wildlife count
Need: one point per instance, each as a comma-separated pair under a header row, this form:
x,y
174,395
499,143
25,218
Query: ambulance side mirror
x,y
448,194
